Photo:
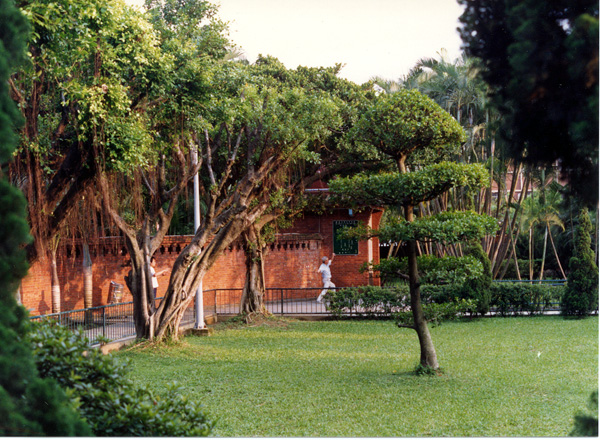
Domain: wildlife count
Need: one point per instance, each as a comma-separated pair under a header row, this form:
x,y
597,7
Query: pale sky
x,y
371,37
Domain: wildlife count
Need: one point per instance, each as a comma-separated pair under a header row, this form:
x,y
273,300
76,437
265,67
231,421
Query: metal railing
x,y
278,301
560,282
112,321
115,321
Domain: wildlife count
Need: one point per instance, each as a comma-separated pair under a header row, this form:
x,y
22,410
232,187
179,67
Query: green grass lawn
x,y
502,377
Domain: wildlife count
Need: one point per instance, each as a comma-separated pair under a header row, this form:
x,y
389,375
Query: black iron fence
x,y
278,301
560,282
115,321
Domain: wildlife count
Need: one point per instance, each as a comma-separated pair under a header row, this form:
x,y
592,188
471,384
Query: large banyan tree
x,y
414,131
259,135
89,71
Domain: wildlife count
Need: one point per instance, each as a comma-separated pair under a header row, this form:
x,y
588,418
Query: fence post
x,y
281,302
104,321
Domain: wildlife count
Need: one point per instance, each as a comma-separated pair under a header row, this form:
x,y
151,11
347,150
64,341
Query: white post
x,y
199,293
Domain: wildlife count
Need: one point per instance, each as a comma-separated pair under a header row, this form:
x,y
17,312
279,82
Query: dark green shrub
x,y
520,298
367,301
111,403
586,423
581,294
432,270
442,293
436,313
374,301
478,289
29,405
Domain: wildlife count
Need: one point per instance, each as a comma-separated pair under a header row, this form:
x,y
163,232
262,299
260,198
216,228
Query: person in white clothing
x,y
326,274
155,275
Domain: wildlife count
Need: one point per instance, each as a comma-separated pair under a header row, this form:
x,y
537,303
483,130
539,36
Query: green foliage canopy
x,y
433,270
406,121
96,64
408,188
445,227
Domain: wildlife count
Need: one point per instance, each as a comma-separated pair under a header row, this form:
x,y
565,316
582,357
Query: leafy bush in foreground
x,y
586,424
111,403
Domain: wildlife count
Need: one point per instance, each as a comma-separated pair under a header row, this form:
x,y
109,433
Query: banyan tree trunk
x,y
189,269
253,294
55,283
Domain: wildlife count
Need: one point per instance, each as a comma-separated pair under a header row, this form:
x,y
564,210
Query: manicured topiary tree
x,y
581,293
403,126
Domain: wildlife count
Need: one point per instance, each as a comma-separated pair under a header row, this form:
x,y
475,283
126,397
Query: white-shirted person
x,y
325,271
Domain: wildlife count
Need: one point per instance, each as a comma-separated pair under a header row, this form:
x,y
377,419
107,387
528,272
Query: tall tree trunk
x,y
253,294
556,256
190,267
530,254
141,289
544,252
428,354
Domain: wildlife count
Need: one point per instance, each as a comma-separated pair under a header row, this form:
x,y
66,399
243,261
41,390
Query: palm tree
x,y
541,209
549,216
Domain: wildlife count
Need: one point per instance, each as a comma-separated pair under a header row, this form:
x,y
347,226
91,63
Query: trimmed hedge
x,y
524,298
367,301
504,298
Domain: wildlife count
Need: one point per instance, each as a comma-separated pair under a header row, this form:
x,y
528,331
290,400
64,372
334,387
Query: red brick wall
x,y
292,261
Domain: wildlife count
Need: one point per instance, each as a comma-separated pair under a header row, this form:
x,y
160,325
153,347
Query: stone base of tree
x,y
207,331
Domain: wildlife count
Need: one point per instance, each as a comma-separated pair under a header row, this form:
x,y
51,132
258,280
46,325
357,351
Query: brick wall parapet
x,y
290,261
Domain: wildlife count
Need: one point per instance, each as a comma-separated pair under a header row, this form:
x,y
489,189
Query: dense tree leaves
x,y
541,62
407,121
84,96
409,188
433,270
446,227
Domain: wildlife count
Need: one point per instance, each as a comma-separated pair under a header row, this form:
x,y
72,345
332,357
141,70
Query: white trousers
x,y
326,285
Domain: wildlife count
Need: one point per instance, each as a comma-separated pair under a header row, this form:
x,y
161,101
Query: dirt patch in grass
x,y
255,320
